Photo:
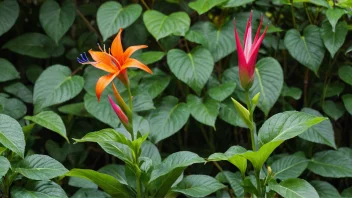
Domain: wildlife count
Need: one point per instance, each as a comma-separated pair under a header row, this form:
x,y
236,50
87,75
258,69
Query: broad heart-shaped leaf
x,y
168,118
204,110
325,189
21,91
291,166
32,44
325,164
155,84
222,91
192,68
268,80
198,186
9,72
40,189
56,85
9,11
106,182
51,121
333,109
322,133
202,6
12,107
160,25
234,179
56,20
166,173
11,135
345,73
347,101
40,167
219,41
333,40
294,188
333,15
4,166
111,16
308,49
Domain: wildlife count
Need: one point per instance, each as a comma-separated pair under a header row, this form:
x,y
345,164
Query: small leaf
x,y
198,186
333,15
294,188
13,107
345,73
222,91
203,6
334,110
9,11
293,92
291,166
9,72
204,110
76,109
111,16
40,167
51,121
229,114
234,179
155,84
151,57
11,135
325,189
347,101
21,91
4,166
333,40
39,189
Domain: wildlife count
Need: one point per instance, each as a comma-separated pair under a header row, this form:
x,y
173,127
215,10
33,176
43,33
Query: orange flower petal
x,y
131,62
116,47
129,51
103,82
103,61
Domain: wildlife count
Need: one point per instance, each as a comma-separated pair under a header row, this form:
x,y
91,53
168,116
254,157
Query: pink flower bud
x,y
122,116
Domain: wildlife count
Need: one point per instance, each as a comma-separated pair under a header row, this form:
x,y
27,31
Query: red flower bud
x,y
122,116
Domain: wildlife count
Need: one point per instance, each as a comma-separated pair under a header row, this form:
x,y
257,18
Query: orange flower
x,y
115,62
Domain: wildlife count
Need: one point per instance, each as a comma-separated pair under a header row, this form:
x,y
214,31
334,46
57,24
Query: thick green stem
x,y
138,183
251,128
259,186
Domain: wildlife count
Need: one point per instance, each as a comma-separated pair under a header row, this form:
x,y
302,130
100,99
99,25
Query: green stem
x,y
138,182
308,15
259,186
293,14
251,128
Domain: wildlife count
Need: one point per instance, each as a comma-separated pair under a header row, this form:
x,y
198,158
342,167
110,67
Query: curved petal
x,y
131,62
102,61
241,58
103,82
116,47
129,51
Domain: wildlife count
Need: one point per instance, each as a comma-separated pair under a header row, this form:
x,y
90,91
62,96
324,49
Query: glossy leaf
x,y
333,40
294,188
155,84
11,135
204,110
151,57
202,6
9,11
9,71
40,189
291,166
222,91
325,189
234,179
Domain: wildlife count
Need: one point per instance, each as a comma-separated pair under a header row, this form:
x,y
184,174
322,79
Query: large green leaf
x,y
12,107
9,11
234,179
56,20
333,40
347,101
333,15
9,72
322,133
198,186
192,68
345,73
291,166
333,109
51,121
222,91
4,166
21,91
325,163
149,150
40,167
11,135
294,188
204,110
38,189
308,49
108,183
56,85
229,114
155,84
160,25
325,189
32,44
111,16
168,118
202,6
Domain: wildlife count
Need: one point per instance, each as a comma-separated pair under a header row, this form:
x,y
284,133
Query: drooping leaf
x,y
21,91
291,166
294,188
333,40
4,166
111,16
9,11
325,189
204,110
9,72
40,189
11,135
203,6
345,73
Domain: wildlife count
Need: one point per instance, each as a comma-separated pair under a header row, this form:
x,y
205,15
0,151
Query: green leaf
x,y
90,193
56,85
40,189
106,182
166,173
13,107
293,92
111,16
9,11
291,166
334,110
293,188
155,84
21,91
4,166
32,44
308,49
333,40
325,189
234,179
150,57
51,121
204,110
168,118
9,72
149,150
76,109
33,72
81,183
220,41
325,164
56,20
203,6
192,68
347,192
347,101
222,91
40,167
198,186
229,114
345,73
237,3
333,15
11,135
160,25
322,133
